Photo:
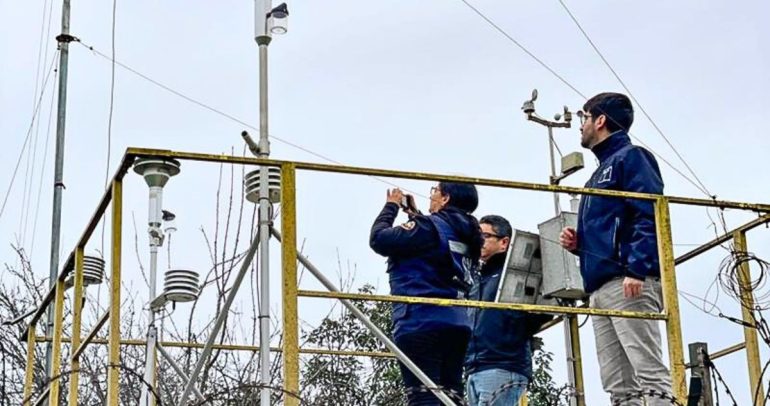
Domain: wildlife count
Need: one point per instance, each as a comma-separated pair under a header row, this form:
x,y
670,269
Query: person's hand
x,y
568,239
632,287
395,196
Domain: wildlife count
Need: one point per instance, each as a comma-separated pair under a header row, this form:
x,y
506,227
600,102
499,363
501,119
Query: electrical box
x,y
560,268
571,163
522,274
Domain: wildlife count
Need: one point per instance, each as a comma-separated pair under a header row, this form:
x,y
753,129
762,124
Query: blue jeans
x,y
495,387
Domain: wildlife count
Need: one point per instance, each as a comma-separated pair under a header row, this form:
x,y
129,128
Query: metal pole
x,y
290,286
262,8
149,363
113,351
179,371
219,321
77,311
753,357
556,205
58,186
571,327
156,240
382,336
670,299
700,371
29,372
575,364
53,396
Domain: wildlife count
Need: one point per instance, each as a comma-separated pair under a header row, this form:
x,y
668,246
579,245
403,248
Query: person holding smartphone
x,y
431,256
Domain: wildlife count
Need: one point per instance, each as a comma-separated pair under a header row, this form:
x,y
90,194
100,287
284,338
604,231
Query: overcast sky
x,y
423,86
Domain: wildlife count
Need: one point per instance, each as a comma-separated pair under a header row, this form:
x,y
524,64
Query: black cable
x,y
557,147
523,48
759,383
631,95
26,139
28,179
649,393
721,380
578,92
730,280
230,117
48,129
111,109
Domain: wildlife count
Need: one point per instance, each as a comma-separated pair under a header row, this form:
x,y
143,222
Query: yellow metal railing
x,y
290,292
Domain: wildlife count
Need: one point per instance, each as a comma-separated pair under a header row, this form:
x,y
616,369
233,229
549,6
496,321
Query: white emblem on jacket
x,y
606,175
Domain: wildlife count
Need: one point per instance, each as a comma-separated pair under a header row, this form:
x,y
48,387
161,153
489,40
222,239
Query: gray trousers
x,y
629,350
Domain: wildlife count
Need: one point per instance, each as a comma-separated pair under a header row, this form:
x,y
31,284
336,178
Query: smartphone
x,y
407,203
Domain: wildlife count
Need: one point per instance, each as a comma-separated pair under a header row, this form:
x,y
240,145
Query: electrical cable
x,y
111,109
26,139
333,161
231,117
557,147
27,190
37,128
730,280
729,267
720,379
631,95
759,382
578,92
42,170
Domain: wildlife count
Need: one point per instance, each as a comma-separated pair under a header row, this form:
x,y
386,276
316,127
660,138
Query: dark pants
x,y
439,354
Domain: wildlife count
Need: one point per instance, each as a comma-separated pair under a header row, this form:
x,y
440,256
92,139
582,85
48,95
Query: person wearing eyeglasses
x,y
499,357
431,256
617,245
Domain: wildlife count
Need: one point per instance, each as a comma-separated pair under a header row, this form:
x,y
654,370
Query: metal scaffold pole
x,y
58,186
262,8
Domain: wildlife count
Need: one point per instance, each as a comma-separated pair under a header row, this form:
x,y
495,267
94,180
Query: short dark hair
x,y
462,196
615,106
501,226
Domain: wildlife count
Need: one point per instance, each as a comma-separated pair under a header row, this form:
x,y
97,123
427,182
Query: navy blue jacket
x,y
429,256
616,236
500,339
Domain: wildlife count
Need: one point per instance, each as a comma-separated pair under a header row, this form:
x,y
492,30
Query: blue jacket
x,y
617,237
500,339
429,256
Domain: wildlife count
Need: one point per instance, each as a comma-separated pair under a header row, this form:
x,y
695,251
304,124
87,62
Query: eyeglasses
x,y
583,116
435,189
490,235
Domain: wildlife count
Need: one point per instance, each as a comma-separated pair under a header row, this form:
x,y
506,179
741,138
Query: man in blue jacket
x,y
499,358
431,256
617,245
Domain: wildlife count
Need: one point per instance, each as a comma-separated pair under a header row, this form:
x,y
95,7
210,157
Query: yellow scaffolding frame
x,y
290,291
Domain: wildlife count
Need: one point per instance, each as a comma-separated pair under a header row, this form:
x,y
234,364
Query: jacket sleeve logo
x,y
606,175
408,225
